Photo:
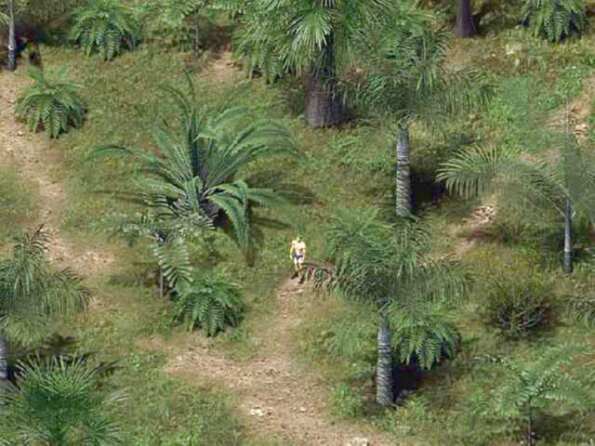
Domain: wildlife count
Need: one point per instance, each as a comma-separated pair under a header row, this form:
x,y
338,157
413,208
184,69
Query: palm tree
x,y
389,266
562,179
196,176
57,403
311,37
12,42
32,294
465,26
408,81
529,389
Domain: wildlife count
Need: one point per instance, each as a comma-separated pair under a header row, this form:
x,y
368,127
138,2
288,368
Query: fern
x,y
105,26
531,388
555,20
52,104
209,301
423,337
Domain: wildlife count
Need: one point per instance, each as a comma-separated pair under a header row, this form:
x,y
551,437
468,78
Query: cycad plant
x,y
560,176
555,20
105,26
33,294
311,37
209,300
406,80
58,403
197,174
389,267
52,103
530,389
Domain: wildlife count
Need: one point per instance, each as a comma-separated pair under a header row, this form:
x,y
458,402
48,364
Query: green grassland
x,y
347,167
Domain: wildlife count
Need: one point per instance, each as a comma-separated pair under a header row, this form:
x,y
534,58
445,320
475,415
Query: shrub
x,y
518,304
52,103
555,20
105,26
59,403
209,301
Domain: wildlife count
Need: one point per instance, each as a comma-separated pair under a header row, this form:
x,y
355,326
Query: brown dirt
x,y
38,163
222,69
277,396
471,229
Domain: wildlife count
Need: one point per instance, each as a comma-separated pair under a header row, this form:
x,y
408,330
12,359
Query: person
x,y
297,253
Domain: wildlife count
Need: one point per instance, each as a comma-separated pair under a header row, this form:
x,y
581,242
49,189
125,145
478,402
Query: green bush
x,y
518,304
52,103
59,403
105,26
346,403
555,20
210,301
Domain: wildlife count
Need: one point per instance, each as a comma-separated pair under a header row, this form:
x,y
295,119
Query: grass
x,y
17,204
350,167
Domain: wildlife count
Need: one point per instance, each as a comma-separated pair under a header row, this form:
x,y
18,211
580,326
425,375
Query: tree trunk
x,y
3,359
403,173
12,40
384,368
567,263
323,107
465,26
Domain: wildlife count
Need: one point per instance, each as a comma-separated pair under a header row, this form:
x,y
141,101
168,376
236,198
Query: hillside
x,y
298,369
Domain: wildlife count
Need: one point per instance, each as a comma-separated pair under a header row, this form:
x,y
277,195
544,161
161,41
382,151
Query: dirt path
x,y
277,396
38,164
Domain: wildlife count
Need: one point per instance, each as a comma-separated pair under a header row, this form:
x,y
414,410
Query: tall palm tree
x,y
32,294
560,179
58,403
311,37
389,266
197,174
465,26
12,41
408,81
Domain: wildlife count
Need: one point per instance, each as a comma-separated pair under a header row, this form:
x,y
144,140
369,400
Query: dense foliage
x,y
209,301
51,104
555,20
105,26
59,403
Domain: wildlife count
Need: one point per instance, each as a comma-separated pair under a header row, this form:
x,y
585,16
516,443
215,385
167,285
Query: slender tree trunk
x,y
530,440
323,107
403,173
567,263
384,368
465,26
12,41
3,359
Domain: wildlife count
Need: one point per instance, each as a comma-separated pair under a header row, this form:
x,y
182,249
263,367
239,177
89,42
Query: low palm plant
x,y
555,20
389,267
530,389
197,174
33,295
58,403
209,301
52,103
105,26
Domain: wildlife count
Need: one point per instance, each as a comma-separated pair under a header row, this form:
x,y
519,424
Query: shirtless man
x,y
297,253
